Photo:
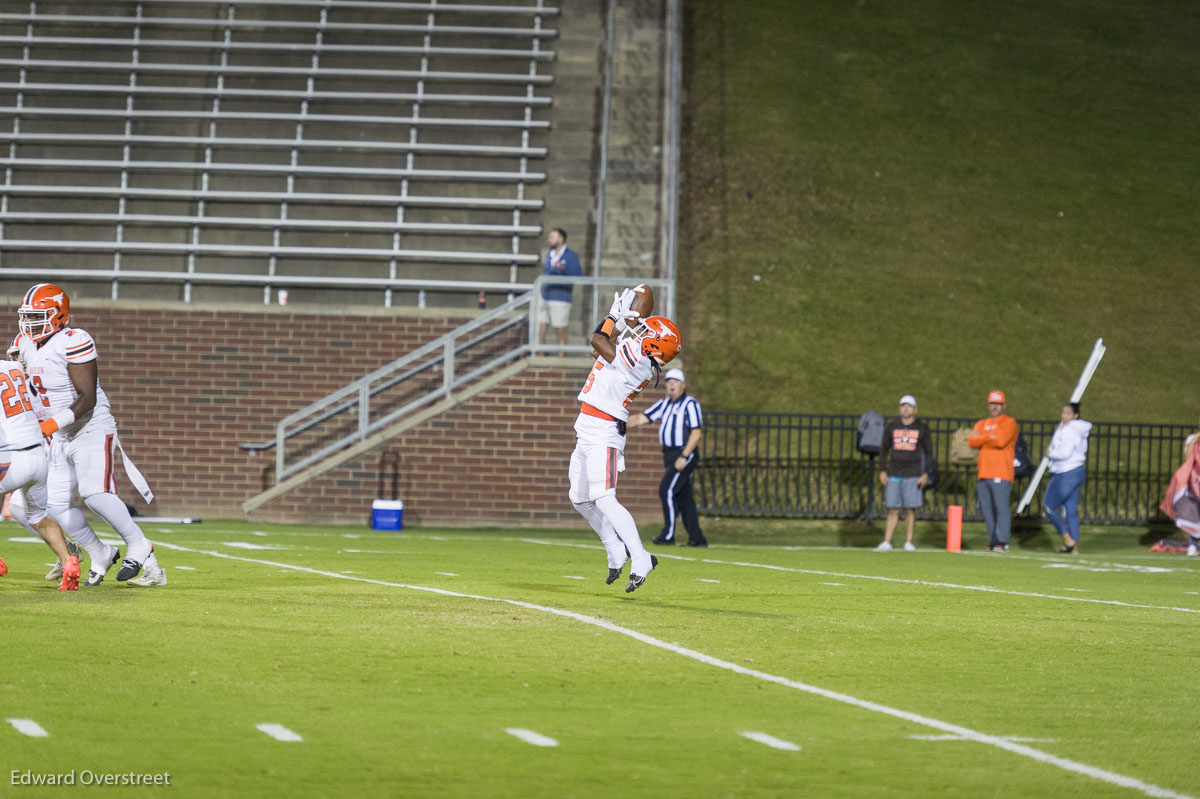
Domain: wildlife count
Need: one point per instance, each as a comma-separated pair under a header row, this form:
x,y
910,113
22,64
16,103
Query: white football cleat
x,y
908,547
1192,550
96,577
884,547
56,572
150,576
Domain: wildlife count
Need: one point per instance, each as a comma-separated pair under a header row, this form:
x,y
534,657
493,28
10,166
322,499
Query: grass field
x,y
941,198
401,659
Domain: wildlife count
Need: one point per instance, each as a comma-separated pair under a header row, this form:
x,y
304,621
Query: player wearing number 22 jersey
x,y
62,365
623,369
24,466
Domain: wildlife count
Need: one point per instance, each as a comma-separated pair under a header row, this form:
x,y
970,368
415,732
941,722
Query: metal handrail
x,y
236,248
271,169
261,71
260,24
474,8
47,217
391,383
183,113
243,141
266,196
278,94
290,47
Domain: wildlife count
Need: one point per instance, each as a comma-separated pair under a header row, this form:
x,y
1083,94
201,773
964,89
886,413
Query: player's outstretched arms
x,y
604,339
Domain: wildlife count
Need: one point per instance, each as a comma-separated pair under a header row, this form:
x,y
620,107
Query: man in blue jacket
x,y
561,261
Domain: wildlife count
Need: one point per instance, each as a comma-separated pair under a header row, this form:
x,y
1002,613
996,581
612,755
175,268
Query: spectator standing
x,y
679,421
903,470
1068,454
996,439
561,261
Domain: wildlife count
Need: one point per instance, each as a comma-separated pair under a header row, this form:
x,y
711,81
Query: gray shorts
x,y
903,492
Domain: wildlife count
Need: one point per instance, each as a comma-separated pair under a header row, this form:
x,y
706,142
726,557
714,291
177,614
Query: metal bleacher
x,y
339,149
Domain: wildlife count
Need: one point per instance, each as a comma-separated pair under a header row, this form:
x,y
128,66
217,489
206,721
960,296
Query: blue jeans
x,y
1063,492
997,515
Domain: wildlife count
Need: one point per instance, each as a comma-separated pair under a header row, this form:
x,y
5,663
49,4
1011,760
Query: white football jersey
x,y
18,426
610,387
47,369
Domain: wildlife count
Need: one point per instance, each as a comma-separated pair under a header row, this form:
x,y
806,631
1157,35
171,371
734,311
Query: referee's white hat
x,y
674,374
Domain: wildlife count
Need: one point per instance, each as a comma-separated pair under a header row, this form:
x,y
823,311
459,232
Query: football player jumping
x,y
62,365
624,367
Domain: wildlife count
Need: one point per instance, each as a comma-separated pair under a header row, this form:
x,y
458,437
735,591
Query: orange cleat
x,y
3,567
70,578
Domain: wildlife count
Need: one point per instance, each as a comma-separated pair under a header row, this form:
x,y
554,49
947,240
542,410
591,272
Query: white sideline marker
x,y
28,727
832,583
184,568
245,545
1066,764
771,741
447,574
702,580
573,577
278,732
530,737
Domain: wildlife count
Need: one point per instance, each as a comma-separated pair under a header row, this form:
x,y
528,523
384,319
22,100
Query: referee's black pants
x,y
678,502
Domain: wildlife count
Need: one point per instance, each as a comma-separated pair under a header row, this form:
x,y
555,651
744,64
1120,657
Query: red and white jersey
x,y
610,387
47,369
18,426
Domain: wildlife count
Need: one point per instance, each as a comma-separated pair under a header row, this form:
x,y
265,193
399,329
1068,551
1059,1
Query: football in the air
x,y
643,302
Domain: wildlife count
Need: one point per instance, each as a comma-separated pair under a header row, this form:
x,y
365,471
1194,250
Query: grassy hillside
x,y
942,198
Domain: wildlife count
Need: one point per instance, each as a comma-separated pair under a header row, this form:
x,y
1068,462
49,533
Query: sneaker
x,y
96,577
613,576
663,542
635,583
72,551
884,546
70,578
909,547
3,567
129,570
151,576
703,544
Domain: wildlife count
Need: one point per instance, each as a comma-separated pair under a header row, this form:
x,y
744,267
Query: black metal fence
x,y
764,464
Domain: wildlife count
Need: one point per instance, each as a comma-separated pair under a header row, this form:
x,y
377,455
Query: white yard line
x,y
1019,738
902,580
447,574
530,737
28,727
573,577
925,721
278,732
702,580
771,741
184,568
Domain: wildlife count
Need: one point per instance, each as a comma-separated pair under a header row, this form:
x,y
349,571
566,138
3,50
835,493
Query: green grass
x,y
941,198
403,692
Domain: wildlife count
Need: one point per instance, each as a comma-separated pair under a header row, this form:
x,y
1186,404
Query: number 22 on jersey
x,y
13,394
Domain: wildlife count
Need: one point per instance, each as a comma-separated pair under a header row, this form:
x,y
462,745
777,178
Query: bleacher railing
x,y
434,372
807,465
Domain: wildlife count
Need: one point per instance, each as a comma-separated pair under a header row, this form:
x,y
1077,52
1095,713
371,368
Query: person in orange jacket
x,y
996,439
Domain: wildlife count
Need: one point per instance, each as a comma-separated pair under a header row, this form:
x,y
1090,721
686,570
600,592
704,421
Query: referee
x,y
679,420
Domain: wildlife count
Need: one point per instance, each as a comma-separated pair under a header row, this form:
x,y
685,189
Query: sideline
x,y
1103,775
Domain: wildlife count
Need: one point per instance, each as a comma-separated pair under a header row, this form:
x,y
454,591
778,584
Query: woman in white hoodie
x,y
1067,454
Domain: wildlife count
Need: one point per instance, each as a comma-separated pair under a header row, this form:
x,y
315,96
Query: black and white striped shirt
x,y
675,419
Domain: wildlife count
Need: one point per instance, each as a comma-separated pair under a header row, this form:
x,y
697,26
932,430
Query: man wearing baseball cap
x,y
904,463
996,439
679,419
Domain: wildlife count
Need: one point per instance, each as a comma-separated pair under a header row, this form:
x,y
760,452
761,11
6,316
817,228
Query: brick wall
x,y
188,385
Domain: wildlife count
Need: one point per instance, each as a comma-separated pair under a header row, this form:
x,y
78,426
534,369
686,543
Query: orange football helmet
x,y
44,311
660,338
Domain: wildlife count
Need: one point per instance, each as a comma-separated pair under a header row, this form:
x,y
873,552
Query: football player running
x,y
624,367
39,523
24,466
62,365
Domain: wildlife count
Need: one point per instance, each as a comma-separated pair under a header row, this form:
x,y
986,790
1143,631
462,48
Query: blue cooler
x,y
387,514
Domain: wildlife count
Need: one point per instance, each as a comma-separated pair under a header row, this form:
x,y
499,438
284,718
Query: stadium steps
x,y
385,435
